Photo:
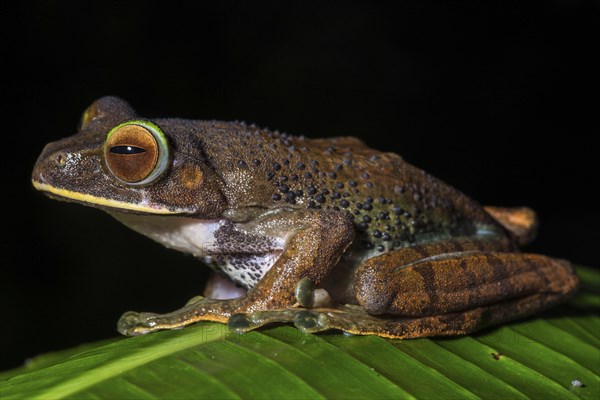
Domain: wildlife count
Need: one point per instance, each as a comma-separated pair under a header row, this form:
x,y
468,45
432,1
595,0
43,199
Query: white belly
x,y
243,257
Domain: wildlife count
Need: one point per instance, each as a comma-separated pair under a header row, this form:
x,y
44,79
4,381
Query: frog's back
x,y
394,204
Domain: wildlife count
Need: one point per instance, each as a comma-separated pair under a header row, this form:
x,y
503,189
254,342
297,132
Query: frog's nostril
x,y
60,159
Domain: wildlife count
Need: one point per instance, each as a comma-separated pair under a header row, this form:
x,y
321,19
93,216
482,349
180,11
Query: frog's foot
x,y
347,318
232,311
313,303
197,309
521,222
352,319
355,320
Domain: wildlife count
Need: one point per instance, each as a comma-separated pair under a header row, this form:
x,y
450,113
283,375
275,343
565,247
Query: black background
x,y
499,99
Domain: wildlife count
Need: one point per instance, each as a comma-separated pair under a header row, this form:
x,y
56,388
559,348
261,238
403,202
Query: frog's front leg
x,y
449,288
310,251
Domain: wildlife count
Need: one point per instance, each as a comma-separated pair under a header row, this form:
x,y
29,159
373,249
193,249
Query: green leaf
x,y
536,358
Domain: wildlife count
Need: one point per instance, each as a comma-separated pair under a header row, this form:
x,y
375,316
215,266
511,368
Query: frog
x,y
322,233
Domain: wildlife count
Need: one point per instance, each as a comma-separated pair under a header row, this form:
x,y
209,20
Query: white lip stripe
x,y
88,198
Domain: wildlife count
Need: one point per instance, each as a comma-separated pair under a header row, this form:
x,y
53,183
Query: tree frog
x,y
321,233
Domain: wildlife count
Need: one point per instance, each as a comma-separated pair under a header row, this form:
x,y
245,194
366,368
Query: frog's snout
x,y
50,159
54,166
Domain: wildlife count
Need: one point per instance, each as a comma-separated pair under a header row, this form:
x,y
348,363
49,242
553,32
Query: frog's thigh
x,y
400,283
446,288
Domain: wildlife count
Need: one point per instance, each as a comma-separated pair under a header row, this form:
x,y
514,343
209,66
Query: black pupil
x,y
126,150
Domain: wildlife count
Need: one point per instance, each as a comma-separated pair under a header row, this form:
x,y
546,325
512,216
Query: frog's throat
x,y
102,202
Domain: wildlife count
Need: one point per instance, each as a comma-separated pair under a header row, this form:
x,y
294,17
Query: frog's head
x,y
120,162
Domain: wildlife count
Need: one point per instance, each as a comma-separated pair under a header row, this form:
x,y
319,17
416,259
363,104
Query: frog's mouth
x,y
104,203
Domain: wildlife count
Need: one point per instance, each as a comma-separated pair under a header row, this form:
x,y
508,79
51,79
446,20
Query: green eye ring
x,y
136,152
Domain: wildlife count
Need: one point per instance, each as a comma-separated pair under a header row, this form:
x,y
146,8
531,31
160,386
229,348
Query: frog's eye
x,y
136,152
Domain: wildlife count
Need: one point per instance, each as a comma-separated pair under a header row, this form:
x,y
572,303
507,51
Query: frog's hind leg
x,y
449,288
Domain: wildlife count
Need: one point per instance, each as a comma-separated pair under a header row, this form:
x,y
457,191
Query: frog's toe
x,y
320,321
240,323
307,321
305,292
134,324
127,323
308,296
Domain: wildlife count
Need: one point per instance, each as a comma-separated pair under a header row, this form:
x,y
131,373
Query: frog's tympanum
x,y
324,233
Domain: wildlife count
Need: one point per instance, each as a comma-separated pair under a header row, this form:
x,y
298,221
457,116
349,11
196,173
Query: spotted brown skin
x,y
391,201
324,233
